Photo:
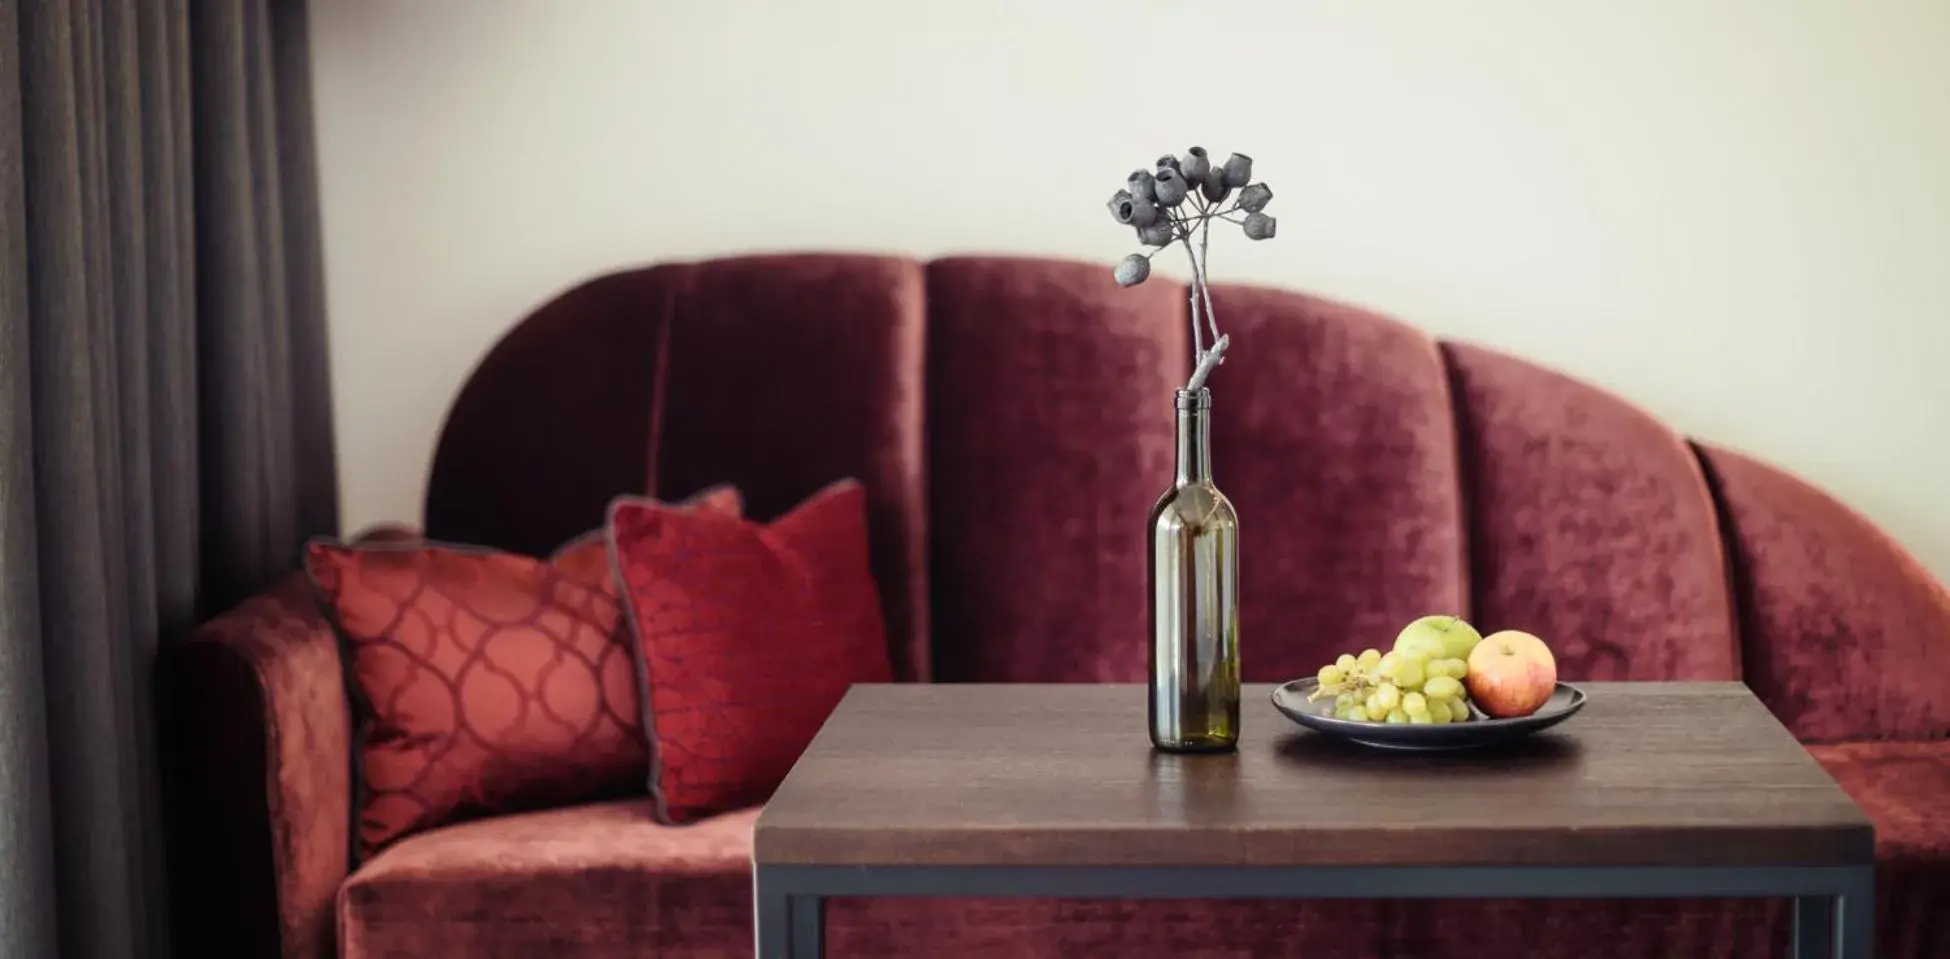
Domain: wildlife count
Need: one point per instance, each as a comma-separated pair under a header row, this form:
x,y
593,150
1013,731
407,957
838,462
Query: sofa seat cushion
x,y
1901,786
607,880
603,879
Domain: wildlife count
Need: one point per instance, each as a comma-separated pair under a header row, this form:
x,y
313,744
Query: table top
x,y
1672,774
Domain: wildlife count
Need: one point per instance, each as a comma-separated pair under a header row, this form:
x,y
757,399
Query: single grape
x,y
1420,719
1374,704
1397,717
1415,705
1389,695
1442,687
1358,713
1346,662
1369,658
1438,711
1458,711
1331,676
1345,701
1409,673
1340,711
1458,669
1389,660
1436,669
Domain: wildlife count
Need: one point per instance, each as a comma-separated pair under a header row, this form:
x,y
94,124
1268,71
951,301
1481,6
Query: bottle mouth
x,y
1198,399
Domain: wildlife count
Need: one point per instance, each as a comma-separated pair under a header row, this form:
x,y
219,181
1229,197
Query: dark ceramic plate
x,y
1478,730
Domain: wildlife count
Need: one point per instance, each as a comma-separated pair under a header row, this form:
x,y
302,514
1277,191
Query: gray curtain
x,y
165,427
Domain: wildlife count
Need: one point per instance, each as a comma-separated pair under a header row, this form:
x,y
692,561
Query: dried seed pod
x,y
1260,226
1167,162
1214,187
1255,197
1195,166
1120,206
1157,233
1143,212
1239,170
1132,270
1169,186
1140,185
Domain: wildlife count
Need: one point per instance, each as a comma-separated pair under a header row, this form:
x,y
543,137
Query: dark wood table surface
x,y
1668,774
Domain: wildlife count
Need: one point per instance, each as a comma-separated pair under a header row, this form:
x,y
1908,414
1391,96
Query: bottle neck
x,y
1194,446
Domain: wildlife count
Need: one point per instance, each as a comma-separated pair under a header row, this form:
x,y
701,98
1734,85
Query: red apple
x,y
1511,674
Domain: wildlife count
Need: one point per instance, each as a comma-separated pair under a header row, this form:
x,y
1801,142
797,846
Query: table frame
x,y
1834,906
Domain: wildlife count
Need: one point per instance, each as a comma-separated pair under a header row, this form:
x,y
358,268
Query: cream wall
x,y
1733,212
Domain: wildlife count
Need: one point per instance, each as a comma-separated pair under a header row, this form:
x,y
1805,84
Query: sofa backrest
x,y
1012,419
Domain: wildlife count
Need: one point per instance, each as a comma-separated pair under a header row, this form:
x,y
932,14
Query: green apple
x,y
1439,637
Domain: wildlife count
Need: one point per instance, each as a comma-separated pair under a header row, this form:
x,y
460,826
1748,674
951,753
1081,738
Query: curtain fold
x,y
26,845
165,439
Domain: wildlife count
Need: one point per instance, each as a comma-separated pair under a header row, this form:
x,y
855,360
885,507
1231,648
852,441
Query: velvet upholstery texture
x,y
572,396
1849,638
1273,929
1902,785
599,880
1011,421
1333,437
789,372
1050,431
266,718
746,637
1590,526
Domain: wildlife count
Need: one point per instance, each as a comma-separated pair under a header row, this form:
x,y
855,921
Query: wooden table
x,y
1654,790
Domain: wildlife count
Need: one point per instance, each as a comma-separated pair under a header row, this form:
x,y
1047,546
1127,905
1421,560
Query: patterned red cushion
x,y
484,682
748,636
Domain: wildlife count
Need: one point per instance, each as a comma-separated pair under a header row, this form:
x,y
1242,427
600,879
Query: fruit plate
x,y
1477,731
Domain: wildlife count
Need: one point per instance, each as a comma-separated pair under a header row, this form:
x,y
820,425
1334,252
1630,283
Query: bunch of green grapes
x,y
1396,687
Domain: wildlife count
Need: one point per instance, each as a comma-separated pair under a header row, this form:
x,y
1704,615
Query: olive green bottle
x,y
1194,597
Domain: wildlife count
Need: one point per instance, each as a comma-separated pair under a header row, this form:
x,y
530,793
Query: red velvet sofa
x,y
1011,418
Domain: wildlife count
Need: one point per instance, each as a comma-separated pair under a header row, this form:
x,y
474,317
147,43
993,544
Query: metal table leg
x,y
1856,916
808,927
790,924
773,927
1814,927
1840,926
773,922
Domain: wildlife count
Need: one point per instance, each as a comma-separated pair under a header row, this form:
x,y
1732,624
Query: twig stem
x,y
1198,342
1211,319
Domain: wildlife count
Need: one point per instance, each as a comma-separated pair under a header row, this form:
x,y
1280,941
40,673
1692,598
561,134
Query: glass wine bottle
x,y
1194,597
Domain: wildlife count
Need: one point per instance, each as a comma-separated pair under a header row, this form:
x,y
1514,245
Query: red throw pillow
x,y
485,682
748,636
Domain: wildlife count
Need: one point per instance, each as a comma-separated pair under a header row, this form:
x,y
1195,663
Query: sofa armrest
x,y
1844,634
258,731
